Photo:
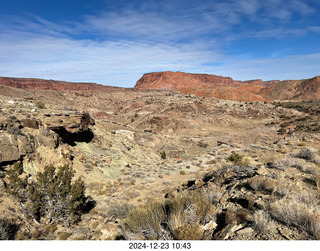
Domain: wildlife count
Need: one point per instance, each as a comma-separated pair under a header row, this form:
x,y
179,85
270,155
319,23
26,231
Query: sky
x,y
115,42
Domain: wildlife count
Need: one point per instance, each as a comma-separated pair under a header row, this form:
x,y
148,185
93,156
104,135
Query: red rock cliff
x,y
203,85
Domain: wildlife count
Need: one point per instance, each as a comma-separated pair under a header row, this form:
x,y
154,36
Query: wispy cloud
x,y
284,67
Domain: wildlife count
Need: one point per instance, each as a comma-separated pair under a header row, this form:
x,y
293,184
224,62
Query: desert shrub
x,y
264,184
8,229
282,131
146,221
16,184
285,163
182,172
235,158
285,124
261,221
163,155
119,211
300,211
40,105
170,219
308,154
212,162
52,195
189,232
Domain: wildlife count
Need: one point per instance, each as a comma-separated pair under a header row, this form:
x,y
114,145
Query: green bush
x,y
163,155
235,158
16,184
52,196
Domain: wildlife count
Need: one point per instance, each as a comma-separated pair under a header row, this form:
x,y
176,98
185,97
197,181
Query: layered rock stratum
x,y
207,85
42,84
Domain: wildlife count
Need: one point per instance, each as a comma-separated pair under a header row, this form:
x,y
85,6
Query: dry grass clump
x,y
263,183
212,162
262,222
189,232
298,163
299,210
119,211
145,222
308,154
171,219
285,163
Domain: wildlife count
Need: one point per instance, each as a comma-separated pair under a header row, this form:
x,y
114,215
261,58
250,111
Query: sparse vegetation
x,y
299,210
282,131
41,105
262,221
163,155
52,196
265,184
308,155
236,158
179,214
119,211
303,123
8,229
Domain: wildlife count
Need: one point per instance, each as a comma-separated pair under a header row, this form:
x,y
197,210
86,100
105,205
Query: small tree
x,y
52,195
16,184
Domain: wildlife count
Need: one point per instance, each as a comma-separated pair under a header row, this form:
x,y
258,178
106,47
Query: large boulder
x,y
9,149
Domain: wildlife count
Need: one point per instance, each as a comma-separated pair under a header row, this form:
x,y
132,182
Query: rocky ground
x,y
115,140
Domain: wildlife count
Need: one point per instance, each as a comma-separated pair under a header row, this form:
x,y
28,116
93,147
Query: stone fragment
x,y
245,231
30,123
9,150
262,170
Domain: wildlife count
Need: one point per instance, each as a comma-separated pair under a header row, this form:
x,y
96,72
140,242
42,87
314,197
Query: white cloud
x,y
107,62
281,68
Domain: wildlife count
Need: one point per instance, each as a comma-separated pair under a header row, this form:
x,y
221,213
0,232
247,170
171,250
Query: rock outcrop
x,y
21,135
206,85
226,88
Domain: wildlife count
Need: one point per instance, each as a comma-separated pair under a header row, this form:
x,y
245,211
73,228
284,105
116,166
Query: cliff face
x,y
226,88
203,85
176,80
42,84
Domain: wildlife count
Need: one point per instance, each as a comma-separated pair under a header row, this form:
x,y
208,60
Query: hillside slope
x,y
43,84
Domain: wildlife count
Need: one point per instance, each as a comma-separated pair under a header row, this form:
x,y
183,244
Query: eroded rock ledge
x,y
21,134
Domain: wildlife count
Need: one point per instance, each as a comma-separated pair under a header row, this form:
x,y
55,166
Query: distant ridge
x,y
205,85
43,84
208,85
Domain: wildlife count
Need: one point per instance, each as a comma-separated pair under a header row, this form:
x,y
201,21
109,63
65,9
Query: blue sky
x,y
116,42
